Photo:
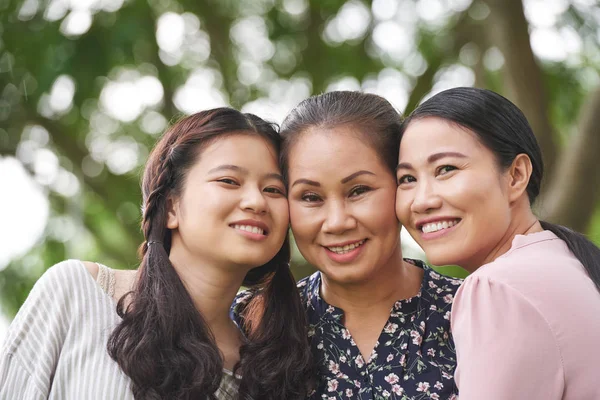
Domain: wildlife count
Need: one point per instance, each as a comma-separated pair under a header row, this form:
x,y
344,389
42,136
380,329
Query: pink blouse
x,y
527,326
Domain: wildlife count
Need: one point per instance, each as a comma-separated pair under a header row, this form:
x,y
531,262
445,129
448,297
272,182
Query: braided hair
x,y
163,343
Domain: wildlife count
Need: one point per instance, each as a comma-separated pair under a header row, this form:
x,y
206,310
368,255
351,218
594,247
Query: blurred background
x,y
87,86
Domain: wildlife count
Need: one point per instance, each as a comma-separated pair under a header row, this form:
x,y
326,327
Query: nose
x,y
338,219
426,198
254,200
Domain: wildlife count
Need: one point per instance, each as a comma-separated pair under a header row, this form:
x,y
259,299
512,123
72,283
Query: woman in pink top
x,y
526,322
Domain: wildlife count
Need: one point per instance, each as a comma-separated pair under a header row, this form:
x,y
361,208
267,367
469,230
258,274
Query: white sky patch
x,y
384,9
65,183
153,123
126,98
200,92
122,156
548,44
391,84
56,10
393,40
28,9
252,38
493,59
24,211
432,11
45,166
84,5
283,96
344,83
61,94
351,23
170,32
76,23
459,5
449,77
544,13
295,7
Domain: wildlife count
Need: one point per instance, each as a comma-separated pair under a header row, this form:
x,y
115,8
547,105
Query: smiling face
x,y
233,209
342,205
452,197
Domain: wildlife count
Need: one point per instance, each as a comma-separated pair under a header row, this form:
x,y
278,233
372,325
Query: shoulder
x,y
435,284
91,267
497,312
484,300
51,302
64,274
541,254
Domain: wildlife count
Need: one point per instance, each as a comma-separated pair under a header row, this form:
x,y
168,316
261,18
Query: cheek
x,y
281,213
477,193
381,209
303,222
402,205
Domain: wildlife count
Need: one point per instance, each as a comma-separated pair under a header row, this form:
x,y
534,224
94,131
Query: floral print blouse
x,y
414,357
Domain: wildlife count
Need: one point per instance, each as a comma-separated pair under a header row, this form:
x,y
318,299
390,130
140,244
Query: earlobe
x,y
172,214
520,173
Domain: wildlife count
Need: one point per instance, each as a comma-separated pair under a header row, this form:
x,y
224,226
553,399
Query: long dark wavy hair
x,y
163,343
503,129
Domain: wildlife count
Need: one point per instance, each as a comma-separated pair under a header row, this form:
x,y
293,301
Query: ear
x,y
518,176
172,213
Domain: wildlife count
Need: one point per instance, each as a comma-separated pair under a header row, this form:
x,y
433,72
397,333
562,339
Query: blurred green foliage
x,y
295,48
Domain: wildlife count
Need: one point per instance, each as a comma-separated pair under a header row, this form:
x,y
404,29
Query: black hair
x,y
373,116
502,128
163,343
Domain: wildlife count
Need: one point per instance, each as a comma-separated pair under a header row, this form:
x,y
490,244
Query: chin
x,y
345,275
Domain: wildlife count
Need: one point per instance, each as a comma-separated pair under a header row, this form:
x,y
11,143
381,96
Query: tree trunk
x,y
523,78
573,194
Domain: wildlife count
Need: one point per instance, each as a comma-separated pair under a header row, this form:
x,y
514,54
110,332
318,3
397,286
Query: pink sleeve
x,y
505,348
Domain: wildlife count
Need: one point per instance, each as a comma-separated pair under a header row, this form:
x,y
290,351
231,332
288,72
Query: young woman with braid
x,y
215,216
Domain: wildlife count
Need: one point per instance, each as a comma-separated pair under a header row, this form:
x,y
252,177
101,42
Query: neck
x,y
523,222
211,286
394,281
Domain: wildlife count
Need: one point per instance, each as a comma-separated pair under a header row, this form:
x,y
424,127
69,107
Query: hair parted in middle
x,y
372,116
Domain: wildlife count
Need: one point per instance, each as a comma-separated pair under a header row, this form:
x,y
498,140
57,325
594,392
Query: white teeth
x,y
346,248
434,227
249,228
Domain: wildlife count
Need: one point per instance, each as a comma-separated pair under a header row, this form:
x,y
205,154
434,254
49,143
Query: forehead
x,y
431,135
239,149
332,151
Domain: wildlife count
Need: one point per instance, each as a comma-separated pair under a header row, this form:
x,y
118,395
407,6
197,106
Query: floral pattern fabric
x,y
413,359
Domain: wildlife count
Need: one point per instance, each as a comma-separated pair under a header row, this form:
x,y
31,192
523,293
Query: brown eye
x,y
406,179
444,169
228,181
310,197
275,190
358,190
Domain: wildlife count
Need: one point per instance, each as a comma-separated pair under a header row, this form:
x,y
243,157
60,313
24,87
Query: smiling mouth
x,y
438,226
251,229
346,248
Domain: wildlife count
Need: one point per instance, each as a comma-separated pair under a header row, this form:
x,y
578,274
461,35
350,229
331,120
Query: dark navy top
x,y
414,357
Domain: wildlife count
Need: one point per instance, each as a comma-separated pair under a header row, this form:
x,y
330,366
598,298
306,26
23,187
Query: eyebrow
x,y
433,158
356,175
231,167
344,180
306,181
